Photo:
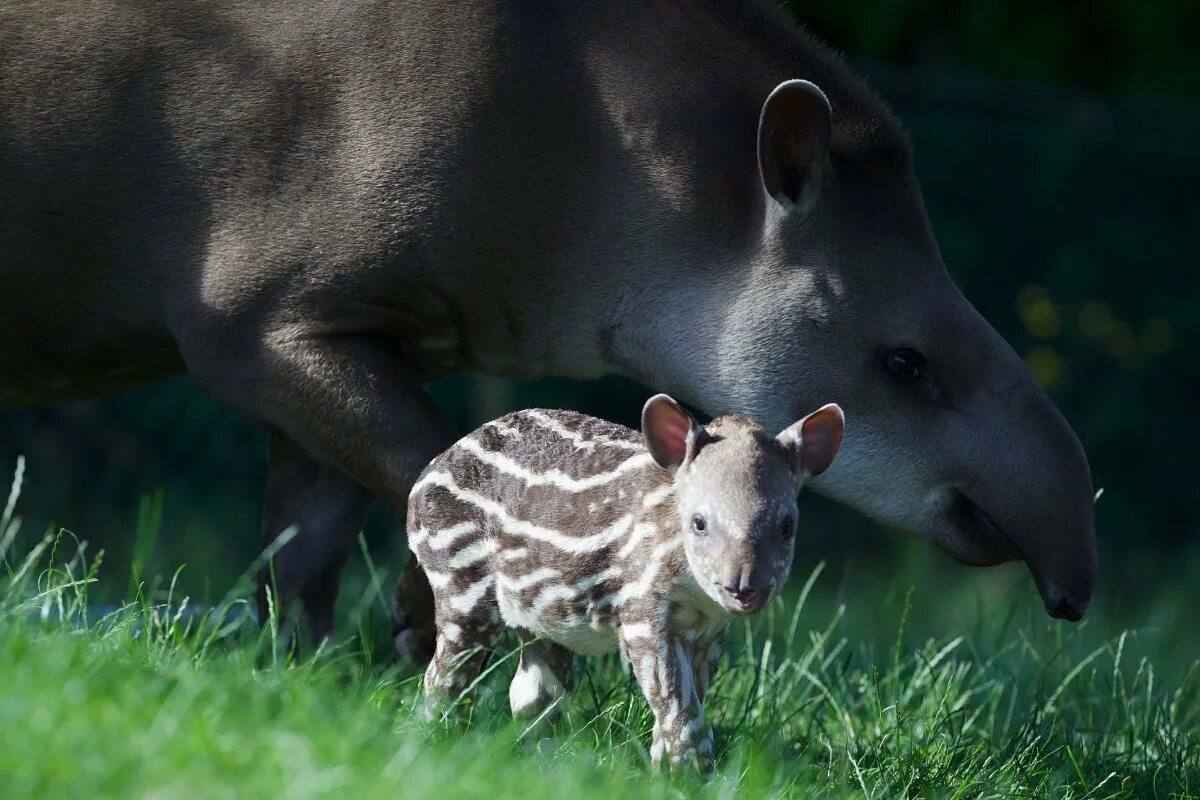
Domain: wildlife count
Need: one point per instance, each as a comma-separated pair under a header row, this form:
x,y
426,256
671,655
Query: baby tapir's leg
x,y
464,637
450,541
706,655
663,666
543,676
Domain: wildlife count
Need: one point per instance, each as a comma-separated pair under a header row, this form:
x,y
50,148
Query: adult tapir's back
x,y
424,170
165,162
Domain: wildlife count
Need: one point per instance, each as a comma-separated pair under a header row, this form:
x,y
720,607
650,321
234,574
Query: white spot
x,y
504,430
636,630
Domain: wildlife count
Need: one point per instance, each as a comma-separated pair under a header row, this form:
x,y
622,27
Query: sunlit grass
x,y
158,698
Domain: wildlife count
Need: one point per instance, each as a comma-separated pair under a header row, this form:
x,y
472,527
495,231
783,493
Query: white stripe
x,y
639,532
575,437
438,580
570,544
517,527
597,579
450,631
416,537
440,540
672,714
607,600
568,591
547,596
466,600
525,581
643,584
476,551
514,553
655,497
553,477
636,630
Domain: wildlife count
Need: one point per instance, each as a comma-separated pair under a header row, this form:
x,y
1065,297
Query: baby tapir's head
x,y
735,490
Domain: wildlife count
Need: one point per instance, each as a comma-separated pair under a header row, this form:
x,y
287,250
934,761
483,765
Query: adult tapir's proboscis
x,y
314,209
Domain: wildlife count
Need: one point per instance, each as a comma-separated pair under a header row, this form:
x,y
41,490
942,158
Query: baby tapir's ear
x,y
814,441
672,434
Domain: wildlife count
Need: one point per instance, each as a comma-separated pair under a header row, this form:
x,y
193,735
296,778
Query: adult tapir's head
x,y
847,298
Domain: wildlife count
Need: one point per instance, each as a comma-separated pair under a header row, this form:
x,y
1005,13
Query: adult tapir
x,y
315,208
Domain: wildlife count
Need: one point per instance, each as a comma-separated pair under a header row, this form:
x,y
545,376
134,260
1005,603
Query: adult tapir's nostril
x,y
1066,608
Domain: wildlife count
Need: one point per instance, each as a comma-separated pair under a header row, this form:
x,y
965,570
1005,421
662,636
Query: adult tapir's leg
x,y
327,508
346,399
413,629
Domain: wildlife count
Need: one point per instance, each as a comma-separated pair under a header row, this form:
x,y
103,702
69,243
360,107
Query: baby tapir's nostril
x,y
745,596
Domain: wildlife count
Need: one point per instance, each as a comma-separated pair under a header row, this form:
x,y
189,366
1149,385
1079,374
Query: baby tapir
x,y
586,536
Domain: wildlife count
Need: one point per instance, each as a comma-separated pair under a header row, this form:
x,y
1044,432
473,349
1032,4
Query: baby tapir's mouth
x,y
742,599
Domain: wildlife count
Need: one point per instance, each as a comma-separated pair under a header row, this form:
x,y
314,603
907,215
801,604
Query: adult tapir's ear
x,y
793,144
672,434
813,442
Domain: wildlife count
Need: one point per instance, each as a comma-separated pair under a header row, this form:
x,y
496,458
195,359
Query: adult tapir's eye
x,y
698,524
905,364
787,528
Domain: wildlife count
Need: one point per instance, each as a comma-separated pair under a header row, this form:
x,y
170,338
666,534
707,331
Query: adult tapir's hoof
x,y
413,629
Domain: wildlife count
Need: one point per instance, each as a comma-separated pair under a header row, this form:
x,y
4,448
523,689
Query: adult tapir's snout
x,y
1033,489
959,444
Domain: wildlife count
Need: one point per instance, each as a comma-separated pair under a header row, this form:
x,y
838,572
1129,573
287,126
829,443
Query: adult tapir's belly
x,y
68,332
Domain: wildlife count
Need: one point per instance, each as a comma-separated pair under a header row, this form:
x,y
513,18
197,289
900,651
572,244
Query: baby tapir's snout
x,y
745,578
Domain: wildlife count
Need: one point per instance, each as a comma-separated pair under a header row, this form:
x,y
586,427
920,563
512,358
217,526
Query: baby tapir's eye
x,y
787,527
698,524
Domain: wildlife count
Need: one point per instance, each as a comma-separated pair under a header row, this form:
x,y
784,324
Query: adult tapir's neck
x,y
650,185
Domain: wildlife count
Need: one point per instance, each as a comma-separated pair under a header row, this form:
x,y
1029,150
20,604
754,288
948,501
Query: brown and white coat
x,y
582,535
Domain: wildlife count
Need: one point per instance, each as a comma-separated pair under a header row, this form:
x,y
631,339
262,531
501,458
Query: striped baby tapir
x,y
586,536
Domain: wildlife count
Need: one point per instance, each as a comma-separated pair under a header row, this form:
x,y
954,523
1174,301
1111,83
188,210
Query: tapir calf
x,y
591,537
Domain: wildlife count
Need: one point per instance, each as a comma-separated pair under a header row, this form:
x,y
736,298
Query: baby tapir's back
x,y
528,517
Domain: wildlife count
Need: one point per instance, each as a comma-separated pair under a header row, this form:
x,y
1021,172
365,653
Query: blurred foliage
x,y
1144,50
1061,211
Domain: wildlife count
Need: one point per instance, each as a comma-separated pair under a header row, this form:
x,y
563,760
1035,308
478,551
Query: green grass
x,y
152,700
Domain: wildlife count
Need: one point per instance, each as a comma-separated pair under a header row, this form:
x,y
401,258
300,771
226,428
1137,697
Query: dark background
x,y
1058,146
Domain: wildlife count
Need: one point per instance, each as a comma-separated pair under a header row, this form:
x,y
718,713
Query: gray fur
x,y
564,527
314,209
